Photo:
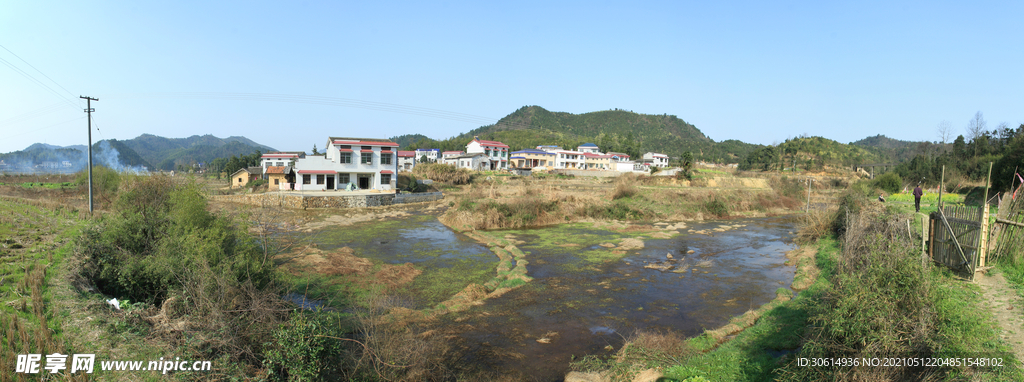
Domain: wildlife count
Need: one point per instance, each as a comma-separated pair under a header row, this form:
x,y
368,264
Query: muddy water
x,y
580,307
582,300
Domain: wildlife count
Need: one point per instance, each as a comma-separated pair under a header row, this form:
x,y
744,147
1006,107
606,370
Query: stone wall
x,y
416,198
304,202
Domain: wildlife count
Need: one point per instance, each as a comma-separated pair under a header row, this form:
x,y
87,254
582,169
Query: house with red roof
x,y
496,152
365,163
279,159
406,160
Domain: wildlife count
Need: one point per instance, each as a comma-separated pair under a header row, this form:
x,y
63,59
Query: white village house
x,y
655,159
407,160
470,161
279,159
365,163
433,155
496,152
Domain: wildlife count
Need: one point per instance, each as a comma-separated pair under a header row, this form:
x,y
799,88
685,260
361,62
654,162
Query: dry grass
x,y
625,187
443,173
815,224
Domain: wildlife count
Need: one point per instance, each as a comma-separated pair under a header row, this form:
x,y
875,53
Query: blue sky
x,y
760,72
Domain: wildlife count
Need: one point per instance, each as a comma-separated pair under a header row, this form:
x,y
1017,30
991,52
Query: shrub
x,y
105,183
162,243
716,207
308,347
889,182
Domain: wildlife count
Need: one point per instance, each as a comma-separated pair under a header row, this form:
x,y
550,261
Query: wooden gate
x,y
956,233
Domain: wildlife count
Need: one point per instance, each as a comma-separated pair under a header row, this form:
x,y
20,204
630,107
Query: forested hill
x,y
812,153
612,130
895,150
169,153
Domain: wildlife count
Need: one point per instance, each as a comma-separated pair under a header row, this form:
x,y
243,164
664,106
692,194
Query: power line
x,y
33,79
37,70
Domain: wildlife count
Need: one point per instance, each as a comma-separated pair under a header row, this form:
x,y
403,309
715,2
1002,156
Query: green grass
x,y
930,198
437,285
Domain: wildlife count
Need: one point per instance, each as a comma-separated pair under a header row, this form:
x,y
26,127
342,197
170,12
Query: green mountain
x,y
611,130
810,153
894,150
408,139
168,153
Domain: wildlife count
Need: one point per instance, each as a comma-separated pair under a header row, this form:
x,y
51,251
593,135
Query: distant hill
x,y
812,153
408,139
168,153
146,151
41,157
895,150
612,130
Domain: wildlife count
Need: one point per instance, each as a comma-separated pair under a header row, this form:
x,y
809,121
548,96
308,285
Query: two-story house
x,y
532,158
407,160
279,159
433,155
598,161
496,152
656,159
366,163
588,148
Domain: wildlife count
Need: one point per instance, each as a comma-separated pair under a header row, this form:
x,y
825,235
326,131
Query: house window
x,y
345,158
239,180
385,178
305,179
343,179
279,164
366,158
277,181
487,152
385,158
320,179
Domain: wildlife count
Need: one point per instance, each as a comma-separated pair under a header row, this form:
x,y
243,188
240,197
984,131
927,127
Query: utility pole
x,y
89,110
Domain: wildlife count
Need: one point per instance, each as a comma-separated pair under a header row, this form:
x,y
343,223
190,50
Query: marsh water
x,y
582,301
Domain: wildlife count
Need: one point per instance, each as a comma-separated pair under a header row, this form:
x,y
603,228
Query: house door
x,y
330,182
364,182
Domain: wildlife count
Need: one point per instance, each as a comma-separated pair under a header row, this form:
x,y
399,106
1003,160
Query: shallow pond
x,y
579,305
449,260
585,296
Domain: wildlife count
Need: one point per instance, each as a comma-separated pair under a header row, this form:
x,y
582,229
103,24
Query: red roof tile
x,y
491,143
366,143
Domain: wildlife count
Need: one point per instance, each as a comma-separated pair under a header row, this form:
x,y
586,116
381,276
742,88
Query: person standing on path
x,y
917,198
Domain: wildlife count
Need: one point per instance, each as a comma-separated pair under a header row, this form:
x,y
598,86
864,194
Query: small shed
x,y
245,175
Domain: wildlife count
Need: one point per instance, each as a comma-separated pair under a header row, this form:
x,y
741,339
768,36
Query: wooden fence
x,y
1009,229
965,222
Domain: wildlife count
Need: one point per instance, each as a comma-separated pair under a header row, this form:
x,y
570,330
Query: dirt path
x,y
1008,308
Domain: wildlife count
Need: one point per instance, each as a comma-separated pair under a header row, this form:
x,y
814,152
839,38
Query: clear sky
x,y
290,73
